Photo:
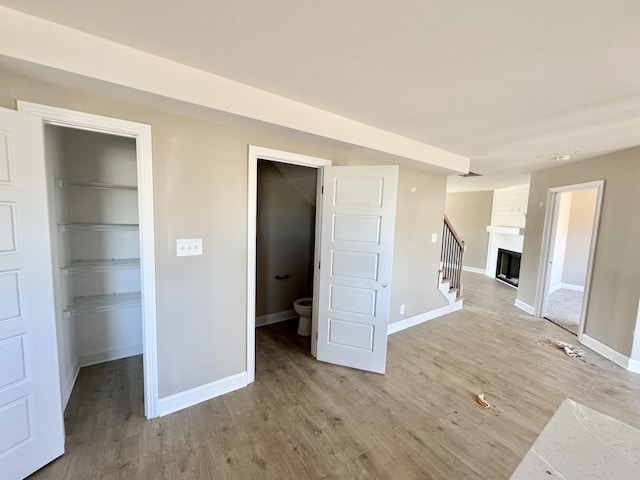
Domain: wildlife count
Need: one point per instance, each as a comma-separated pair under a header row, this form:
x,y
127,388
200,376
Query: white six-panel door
x,y
31,423
358,225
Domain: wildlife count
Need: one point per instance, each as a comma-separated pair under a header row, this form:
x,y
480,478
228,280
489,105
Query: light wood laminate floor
x,y
306,419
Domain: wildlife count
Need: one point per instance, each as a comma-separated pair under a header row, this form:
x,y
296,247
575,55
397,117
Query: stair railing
x,y
451,257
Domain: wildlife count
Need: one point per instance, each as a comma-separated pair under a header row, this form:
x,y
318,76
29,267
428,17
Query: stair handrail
x,y
452,259
453,231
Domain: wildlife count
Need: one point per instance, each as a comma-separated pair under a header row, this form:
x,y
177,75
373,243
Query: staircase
x,y
451,256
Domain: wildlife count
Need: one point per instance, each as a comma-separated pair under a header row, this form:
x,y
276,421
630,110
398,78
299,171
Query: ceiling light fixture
x,y
558,157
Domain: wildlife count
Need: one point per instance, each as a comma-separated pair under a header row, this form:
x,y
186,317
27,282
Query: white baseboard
x,y
423,317
196,395
275,318
69,382
475,270
634,363
567,286
610,354
555,288
634,366
525,307
575,288
108,354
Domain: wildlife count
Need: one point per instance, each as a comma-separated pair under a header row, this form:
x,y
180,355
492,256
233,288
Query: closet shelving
x,y
94,206
97,227
99,266
59,182
102,303
106,302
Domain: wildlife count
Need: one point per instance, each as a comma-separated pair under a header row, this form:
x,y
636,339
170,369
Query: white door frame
x,y
548,237
262,153
142,134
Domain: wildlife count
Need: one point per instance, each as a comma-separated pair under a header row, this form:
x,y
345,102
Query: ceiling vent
x,y
470,174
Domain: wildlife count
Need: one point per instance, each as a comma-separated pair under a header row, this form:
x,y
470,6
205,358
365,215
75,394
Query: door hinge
x,y
316,336
322,190
319,265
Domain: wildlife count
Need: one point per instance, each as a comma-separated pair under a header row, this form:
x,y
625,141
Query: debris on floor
x,y
569,349
482,401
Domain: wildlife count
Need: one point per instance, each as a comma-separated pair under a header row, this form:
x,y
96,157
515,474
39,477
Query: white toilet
x,y
302,306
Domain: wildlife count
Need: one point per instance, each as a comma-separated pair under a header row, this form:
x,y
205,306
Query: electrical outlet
x,y
401,309
434,238
187,247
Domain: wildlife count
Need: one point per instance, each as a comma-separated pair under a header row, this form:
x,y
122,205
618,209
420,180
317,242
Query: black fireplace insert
x,y
508,267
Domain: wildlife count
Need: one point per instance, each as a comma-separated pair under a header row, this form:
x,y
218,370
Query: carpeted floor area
x,y
564,309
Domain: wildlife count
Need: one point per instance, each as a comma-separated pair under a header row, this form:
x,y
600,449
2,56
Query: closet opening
x,y
93,203
99,173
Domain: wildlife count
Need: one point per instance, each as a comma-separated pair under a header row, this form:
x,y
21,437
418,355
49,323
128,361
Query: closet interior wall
x,y
93,200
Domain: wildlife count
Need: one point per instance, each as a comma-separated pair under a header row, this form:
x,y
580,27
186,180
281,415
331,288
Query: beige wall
x,y
285,231
580,226
615,288
470,214
574,224
200,191
420,213
57,198
560,244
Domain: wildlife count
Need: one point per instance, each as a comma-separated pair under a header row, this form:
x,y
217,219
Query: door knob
x,y
384,285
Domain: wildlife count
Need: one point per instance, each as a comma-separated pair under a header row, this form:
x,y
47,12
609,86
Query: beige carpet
x,y
564,309
579,443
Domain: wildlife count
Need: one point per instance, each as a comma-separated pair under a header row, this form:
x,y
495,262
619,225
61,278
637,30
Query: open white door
x,y
31,424
358,225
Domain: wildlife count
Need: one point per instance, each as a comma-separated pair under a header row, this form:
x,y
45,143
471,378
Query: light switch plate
x,y
187,247
434,238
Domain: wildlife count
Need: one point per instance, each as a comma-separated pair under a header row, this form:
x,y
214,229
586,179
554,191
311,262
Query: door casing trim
x,y
142,134
255,153
548,236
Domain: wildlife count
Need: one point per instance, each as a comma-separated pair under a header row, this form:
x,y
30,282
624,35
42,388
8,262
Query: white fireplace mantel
x,y
506,230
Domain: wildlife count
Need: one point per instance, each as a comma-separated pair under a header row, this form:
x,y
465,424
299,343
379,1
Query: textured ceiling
x,y
505,83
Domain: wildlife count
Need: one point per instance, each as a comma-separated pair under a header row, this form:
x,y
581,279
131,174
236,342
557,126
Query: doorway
x,y
285,256
97,275
269,160
355,231
570,234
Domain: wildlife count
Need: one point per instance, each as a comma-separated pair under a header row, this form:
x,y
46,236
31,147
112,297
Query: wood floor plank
x,y
306,419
